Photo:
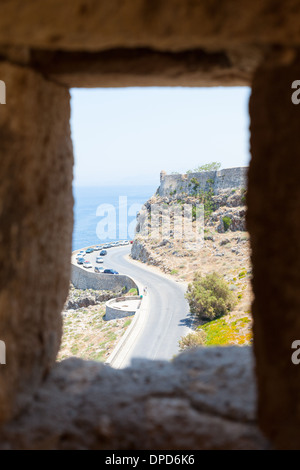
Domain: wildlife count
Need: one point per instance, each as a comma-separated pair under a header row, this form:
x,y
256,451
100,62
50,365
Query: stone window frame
x,y
31,385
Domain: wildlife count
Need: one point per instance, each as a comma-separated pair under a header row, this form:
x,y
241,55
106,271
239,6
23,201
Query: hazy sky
x,y
127,136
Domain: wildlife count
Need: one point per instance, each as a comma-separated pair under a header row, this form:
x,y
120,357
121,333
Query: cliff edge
x,y
224,247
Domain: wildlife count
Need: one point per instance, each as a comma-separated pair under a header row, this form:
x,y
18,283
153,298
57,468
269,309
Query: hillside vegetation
x,y
86,333
225,251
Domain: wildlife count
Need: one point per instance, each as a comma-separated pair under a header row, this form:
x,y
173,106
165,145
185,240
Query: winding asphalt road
x,y
168,317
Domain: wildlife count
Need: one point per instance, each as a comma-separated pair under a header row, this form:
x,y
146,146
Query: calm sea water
x,y
107,213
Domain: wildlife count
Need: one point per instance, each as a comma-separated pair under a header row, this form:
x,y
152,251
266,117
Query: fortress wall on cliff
x,y
229,178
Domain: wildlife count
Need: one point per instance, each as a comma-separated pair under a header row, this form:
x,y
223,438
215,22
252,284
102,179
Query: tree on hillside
x,y
209,296
213,166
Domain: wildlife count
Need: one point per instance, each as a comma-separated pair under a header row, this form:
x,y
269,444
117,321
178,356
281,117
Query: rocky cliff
x,y
224,227
228,204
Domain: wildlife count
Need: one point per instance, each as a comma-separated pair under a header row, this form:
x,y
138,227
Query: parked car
x,y
81,254
89,250
97,248
80,260
99,259
87,264
99,269
103,252
110,271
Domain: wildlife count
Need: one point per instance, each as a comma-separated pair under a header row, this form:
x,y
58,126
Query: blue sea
x,y
107,213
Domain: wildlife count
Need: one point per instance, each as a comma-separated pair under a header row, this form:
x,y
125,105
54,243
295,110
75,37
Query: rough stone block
x,y
36,228
204,399
274,225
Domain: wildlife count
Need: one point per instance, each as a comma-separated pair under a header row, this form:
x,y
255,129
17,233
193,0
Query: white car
x,y
98,269
99,259
80,254
87,264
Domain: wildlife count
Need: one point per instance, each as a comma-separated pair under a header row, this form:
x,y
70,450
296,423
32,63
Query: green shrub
x,y
213,166
196,212
226,222
224,333
243,196
196,185
242,274
210,297
192,340
133,291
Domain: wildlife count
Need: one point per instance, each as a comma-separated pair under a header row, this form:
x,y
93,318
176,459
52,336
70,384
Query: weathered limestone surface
x,y
36,227
205,399
164,25
274,225
83,43
145,67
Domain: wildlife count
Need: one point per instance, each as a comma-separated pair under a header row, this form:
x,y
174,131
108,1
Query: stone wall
x,y
113,311
204,399
228,178
83,279
36,221
274,225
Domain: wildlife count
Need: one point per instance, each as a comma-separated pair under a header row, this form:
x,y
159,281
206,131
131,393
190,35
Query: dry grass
x,y
233,264
88,336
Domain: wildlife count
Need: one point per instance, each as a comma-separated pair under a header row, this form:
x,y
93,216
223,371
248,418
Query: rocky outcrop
x,y
84,298
228,203
236,216
139,251
182,255
230,198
